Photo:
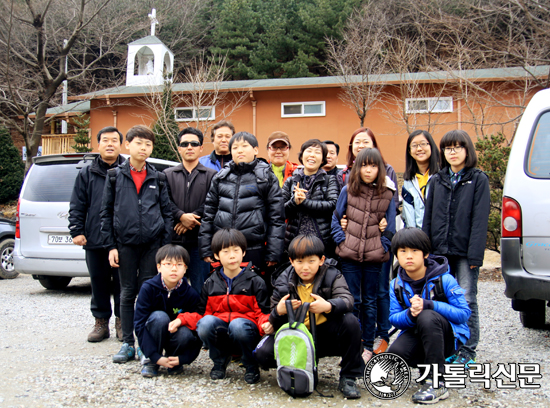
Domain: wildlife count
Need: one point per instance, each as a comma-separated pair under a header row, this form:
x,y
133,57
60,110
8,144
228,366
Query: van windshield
x,y
538,160
51,182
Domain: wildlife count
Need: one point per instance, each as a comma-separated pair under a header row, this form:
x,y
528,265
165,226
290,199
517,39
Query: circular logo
x,y
387,376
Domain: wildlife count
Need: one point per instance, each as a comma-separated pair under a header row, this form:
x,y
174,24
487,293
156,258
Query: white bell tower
x,y
149,60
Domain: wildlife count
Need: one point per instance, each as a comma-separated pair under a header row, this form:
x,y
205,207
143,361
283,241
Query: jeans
x,y
136,265
383,324
467,279
104,280
362,279
183,343
198,270
223,339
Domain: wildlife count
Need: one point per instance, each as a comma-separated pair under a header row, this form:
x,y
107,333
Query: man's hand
x,y
320,305
417,305
174,325
268,328
80,240
383,224
281,306
168,362
190,220
113,258
271,263
344,223
180,229
208,259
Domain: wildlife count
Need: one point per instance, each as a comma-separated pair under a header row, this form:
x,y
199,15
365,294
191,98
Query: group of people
x,y
250,234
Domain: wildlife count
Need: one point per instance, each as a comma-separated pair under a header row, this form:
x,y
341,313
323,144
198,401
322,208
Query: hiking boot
x,y
100,331
367,355
380,345
218,371
464,360
427,394
349,388
125,354
252,375
118,329
150,370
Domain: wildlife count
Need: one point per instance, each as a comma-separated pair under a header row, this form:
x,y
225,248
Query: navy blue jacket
x,y
153,297
456,311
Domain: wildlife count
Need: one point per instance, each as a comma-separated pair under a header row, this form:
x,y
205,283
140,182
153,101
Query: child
x,y
456,219
362,247
428,306
160,300
232,308
421,163
315,279
136,219
245,195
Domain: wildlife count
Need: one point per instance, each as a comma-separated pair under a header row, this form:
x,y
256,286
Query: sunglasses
x,y
193,144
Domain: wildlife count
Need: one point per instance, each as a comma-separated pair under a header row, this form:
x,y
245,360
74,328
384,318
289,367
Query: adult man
x,y
189,183
84,224
332,157
221,134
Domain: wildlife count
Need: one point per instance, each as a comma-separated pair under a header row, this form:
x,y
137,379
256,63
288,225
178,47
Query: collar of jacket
x,y
248,273
242,168
294,279
125,169
198,167
100,167
446,177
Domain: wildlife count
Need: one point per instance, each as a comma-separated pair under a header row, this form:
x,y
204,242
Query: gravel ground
x,y
47,362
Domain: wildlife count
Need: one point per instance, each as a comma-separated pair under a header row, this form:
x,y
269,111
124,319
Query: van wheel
x,y
534,314
54,282
7,270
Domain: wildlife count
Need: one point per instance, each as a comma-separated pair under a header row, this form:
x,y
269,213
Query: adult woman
x,y
278,150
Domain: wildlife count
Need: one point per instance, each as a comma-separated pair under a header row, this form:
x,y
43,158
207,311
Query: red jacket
x,y
289,169
247,299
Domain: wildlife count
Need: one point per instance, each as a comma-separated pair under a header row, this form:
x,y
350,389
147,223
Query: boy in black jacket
x,y
313,278
159,302
136,219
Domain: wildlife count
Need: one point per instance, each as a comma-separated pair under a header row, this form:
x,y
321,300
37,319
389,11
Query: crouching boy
x,y
233,306
160,300
429,306
312,278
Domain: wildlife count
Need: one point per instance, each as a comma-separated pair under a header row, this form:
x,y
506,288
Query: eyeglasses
x,y
170,265
422,145
193,144
281,149
456,149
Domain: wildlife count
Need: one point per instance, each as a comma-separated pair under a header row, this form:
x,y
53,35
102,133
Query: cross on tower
x,y
154,21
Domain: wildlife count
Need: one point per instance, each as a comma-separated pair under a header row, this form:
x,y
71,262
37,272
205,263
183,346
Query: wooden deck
x,y
57,144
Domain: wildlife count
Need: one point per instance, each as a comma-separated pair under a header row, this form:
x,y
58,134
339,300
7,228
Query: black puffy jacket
x,y
129,218
320,205
86,201
456,219
246,197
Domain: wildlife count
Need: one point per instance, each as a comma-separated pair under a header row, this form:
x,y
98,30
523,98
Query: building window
x,y
301,109
194,114
429,105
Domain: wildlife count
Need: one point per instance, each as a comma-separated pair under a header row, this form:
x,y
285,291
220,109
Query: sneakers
x,y
367,355
176,370
464,359
118,329
218,371
427,394
252,375
349,388
125,354
142,359
380,345
100,331
150,370
451,359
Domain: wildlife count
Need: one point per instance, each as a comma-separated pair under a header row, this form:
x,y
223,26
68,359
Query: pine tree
x,y
82,138
12,168
166,129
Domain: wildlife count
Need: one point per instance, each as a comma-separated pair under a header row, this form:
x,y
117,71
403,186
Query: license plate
x,y
60,239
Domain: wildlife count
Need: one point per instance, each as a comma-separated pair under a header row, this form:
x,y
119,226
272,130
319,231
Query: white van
x,y
525,243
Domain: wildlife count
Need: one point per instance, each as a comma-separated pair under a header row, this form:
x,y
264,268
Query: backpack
x,y
111,173
295,353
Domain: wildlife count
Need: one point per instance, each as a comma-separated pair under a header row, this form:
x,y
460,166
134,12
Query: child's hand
x,y
113,258
268,328
281,306
168,362
344,223
382,225
174,325
417,305
320,305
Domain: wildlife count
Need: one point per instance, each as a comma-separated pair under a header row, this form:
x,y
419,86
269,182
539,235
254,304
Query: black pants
x,y
429,343
136,265
104,281
257,257
336,337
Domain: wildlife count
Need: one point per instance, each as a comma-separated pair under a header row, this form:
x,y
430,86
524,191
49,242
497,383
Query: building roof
x,y
71,109
478,75
149,40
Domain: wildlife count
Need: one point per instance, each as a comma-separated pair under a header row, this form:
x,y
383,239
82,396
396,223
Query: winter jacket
x,y
413,202
129,218
247,299
362,241
289,170
188,193
456,311
86,201
211,161
320,205
343,176
246,197
456,218
328,283
153,296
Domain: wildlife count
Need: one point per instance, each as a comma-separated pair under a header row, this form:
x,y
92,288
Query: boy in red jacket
x,y
232,308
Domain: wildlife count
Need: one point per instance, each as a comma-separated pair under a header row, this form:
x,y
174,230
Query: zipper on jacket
x,y
227,297
235,202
